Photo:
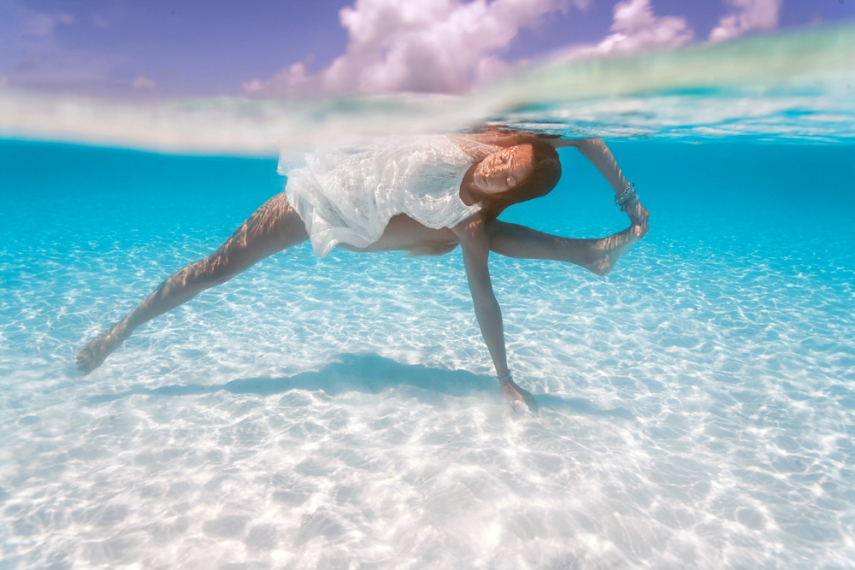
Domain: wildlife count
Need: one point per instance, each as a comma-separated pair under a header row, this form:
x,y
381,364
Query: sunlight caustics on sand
x,y
697,403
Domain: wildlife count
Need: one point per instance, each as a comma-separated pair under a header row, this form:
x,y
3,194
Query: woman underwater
x,y
424,195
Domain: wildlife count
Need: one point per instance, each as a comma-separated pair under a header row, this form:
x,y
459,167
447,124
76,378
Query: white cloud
x,y
143,82
745,16
41,25
100,21
34,56
107,15
636,28
419,46
253,86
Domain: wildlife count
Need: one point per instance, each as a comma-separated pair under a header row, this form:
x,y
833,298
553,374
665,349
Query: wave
x,y
779,87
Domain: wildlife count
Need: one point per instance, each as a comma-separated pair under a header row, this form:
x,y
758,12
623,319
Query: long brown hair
x,y
543,178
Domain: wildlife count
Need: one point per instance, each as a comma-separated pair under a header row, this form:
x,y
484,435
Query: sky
x,y
259,48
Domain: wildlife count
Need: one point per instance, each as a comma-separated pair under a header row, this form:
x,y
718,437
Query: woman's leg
x,y
273,227
596,255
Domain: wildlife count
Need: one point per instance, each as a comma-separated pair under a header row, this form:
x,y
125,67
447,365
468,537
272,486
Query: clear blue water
x,y
698,403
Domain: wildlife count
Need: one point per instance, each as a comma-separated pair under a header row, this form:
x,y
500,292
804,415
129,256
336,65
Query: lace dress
x,y
347,194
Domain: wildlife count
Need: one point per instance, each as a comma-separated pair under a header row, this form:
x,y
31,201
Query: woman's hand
x,y
513,393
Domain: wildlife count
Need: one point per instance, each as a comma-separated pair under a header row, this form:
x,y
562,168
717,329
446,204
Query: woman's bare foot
x,y
93,354
607,251
513,393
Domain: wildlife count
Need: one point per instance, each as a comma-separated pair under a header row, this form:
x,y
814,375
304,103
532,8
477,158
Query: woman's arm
x,y
595,150
476,250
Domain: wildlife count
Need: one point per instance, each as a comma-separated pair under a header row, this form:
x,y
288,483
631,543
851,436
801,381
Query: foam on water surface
x,y
793,86
697,404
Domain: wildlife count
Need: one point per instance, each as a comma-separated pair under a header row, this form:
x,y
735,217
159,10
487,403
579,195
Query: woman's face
x,y
504,169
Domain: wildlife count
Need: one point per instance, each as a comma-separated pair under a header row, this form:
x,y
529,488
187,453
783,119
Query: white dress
x,y
347,194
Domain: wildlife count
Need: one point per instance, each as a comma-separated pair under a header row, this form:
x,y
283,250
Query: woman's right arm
x,y
595,150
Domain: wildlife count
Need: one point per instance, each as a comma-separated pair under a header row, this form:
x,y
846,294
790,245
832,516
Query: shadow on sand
x,y
371,374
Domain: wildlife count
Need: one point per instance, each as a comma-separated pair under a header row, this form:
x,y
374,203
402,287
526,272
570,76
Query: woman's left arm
x,y
476,251
595,150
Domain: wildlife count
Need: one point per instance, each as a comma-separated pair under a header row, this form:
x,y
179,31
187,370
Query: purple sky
x,y
279,47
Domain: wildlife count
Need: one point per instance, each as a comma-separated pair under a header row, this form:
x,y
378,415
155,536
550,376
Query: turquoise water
x,y
697,403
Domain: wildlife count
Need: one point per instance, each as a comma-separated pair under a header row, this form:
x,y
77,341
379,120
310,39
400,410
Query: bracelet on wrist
x,y
625,196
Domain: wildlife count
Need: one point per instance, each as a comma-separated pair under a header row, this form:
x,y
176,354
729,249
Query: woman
x,y
424,195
